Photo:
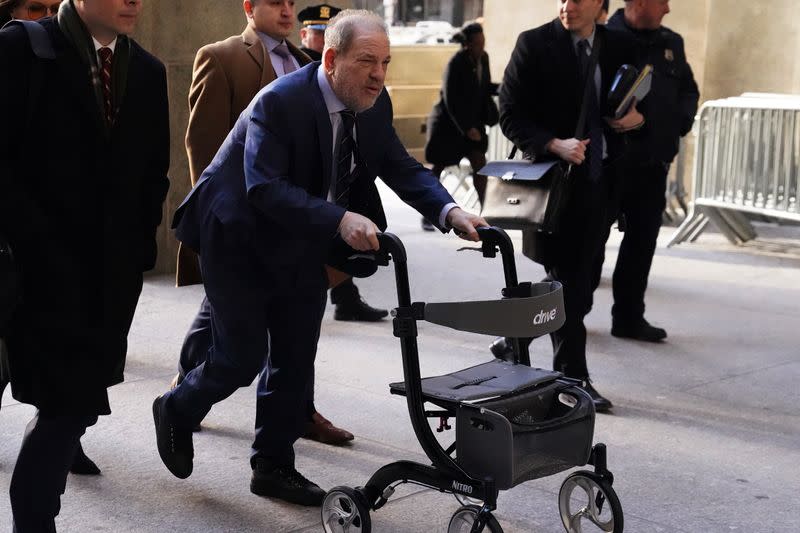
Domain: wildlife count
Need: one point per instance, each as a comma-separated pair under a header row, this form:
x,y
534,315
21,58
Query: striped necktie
x,y
106,60
347,149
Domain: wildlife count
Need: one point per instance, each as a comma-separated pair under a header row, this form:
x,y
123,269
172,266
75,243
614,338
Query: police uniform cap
x,y
317,17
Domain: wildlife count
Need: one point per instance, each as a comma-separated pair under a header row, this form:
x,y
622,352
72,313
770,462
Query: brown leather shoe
x,y
322,430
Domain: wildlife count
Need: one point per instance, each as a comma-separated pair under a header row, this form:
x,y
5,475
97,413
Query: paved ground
x,y
705,436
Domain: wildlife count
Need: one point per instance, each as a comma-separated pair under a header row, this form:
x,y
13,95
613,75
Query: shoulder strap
x,y
42,48
40,41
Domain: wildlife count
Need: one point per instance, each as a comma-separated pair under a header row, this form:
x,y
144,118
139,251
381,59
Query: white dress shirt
x,y
98,46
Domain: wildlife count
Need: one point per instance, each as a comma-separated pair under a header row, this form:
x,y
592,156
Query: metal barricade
x,y
747,161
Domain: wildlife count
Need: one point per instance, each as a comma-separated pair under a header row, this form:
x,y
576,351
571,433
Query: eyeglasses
x,y
37,10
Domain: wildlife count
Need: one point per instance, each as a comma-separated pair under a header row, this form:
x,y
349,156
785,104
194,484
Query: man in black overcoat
x,y
84,154
540,102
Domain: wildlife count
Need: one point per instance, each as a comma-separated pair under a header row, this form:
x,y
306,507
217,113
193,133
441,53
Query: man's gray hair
x,y
343,27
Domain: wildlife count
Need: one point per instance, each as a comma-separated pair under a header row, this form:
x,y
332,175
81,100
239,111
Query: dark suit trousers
x,y
573,258
256,311
40,475
198,341
643,202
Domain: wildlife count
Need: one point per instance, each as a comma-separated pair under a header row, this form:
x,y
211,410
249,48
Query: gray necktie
x,y
283,51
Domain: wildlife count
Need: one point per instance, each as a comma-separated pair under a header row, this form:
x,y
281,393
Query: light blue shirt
x,y
335,106
277,61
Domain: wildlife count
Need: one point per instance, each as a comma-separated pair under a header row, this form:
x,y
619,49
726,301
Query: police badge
x,y
668,55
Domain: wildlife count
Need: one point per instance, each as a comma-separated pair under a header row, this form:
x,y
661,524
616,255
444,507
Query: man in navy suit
x,y
295,174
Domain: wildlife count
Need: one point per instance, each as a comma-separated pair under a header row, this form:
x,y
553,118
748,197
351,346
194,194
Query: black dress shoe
x,y
640,330
502,349
285,483
426,225
174,442
601,404
82,465
357,310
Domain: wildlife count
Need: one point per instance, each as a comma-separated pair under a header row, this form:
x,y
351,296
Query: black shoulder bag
x,y
531,195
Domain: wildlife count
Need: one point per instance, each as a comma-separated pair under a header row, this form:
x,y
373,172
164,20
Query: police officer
x,y
314,20
670,108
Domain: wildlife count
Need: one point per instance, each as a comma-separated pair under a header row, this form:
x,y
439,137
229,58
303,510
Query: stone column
x,y
752,47
173,31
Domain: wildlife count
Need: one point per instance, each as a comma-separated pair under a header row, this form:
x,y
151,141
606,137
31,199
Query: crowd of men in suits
x,y
275,140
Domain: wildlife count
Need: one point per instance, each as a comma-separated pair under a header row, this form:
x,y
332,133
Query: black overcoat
x,y
80,203
540,99
465,102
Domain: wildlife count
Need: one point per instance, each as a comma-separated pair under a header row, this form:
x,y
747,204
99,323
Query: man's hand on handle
x,y
359,232
465,223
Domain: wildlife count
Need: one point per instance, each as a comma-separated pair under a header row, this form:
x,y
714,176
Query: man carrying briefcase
x,y
540,102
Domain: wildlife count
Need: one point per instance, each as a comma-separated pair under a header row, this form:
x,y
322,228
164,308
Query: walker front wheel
x,y
345,511
463,520
588,497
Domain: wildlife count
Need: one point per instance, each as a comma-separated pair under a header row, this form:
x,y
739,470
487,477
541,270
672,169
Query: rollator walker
x,y
513,423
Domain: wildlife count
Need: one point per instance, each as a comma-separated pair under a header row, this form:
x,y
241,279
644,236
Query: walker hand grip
x,y
390,245
494,237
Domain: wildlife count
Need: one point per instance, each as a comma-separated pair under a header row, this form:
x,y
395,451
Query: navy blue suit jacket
x,y
270,179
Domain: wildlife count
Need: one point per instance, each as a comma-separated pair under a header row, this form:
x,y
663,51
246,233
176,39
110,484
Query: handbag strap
x,y
588,78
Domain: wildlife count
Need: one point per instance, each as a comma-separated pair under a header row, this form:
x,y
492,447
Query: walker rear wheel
x,y
463,520
588,497
345,511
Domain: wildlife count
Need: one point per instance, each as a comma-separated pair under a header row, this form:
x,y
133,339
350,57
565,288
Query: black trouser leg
x,y
477,159
345,292
569,341
40,475
575,257
643,204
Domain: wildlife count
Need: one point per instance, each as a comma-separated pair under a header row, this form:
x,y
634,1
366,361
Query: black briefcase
x,y
10,284
532,195
525,195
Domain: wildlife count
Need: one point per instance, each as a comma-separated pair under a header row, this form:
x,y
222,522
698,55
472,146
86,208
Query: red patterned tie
x,y
106,56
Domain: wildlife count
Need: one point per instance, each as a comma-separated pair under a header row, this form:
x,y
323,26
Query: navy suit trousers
x,y
198,341
264,322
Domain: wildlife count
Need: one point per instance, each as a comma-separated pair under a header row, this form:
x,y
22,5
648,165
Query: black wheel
x,y
463,520
587,497
344,510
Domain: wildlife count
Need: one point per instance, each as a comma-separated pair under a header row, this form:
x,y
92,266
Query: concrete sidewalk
x,y
705,435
